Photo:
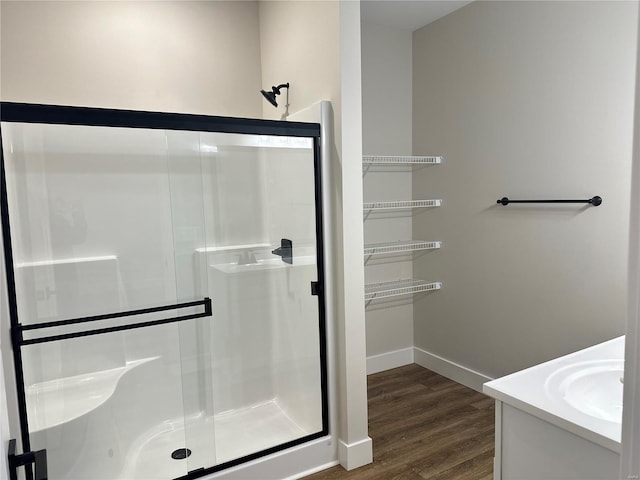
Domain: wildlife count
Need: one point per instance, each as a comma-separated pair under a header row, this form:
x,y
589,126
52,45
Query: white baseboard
x,y
355,454
389,360
458,373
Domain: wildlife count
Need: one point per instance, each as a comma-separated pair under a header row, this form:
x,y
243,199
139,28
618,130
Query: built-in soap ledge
x,y
267,264
64,261
228,248
59,401
256,257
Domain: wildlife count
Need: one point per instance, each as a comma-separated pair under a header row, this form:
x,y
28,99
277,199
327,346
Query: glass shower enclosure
x,y
166,290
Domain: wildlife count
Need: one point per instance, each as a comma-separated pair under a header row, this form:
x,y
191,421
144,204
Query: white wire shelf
x,y
399,247
401,204
407,286
401,160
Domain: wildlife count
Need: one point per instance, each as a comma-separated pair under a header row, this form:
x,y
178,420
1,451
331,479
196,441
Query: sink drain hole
x,y
180,454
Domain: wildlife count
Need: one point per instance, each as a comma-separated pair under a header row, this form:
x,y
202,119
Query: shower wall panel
x,y
92,234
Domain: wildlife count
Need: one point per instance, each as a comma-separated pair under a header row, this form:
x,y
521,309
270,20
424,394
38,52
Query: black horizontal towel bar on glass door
x,y
595,201
19,329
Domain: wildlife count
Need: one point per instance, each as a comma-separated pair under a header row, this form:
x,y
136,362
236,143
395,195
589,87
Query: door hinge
x,y
315,288
39,459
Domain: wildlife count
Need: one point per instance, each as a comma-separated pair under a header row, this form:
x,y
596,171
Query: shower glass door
x,y
262,359
92,235
167,291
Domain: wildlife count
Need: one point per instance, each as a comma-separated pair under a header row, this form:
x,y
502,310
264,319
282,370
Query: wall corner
x,y
355,446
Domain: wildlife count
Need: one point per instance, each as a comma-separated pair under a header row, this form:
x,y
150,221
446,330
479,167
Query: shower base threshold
x,y
212,440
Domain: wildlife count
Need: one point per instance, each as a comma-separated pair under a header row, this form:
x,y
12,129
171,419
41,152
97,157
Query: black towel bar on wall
x,y
595,201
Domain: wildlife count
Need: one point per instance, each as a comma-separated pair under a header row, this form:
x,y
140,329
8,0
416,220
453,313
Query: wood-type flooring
x,y
424,427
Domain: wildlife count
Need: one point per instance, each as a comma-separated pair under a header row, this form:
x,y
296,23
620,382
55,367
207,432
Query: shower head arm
x,y
276,90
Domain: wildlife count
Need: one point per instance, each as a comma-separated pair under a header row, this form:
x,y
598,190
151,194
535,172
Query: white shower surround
x,y
292,463
96,410
322,453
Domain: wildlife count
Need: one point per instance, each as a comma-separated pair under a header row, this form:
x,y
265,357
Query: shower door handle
x,y
285,250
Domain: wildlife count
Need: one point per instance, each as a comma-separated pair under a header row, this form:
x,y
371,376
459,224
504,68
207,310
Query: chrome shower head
x,y
271,96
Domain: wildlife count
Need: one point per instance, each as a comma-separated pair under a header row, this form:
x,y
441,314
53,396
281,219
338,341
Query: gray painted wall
x,y
173,56
525,100
386,130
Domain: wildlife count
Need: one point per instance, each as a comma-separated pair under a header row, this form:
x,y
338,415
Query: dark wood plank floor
x,y
424,426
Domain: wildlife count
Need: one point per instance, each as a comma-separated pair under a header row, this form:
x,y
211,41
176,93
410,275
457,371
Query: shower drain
x,y
180,454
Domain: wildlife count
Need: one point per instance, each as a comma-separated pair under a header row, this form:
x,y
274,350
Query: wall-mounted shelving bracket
x,y
402,204
399,205
399,160
409,286
398,247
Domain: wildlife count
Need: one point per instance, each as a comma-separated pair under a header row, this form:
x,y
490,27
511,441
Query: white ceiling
x,y
407,14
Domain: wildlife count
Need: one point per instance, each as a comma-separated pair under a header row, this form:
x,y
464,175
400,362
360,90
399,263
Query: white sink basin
x,y
580,393
593,388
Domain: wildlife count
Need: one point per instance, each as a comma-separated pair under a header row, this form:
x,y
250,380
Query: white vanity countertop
x,y
540,391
